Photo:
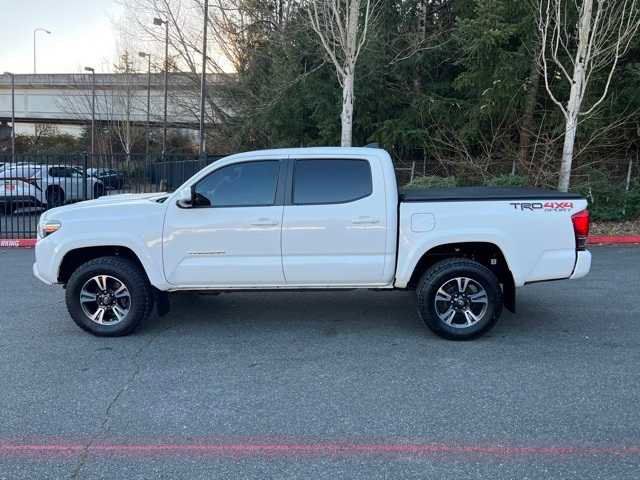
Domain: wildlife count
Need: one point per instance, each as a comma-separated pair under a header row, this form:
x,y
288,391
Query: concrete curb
x,y
593,240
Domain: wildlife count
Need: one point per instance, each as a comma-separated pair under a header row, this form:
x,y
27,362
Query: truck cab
x,y
304,220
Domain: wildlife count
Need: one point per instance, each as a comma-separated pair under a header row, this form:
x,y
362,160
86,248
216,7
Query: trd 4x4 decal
x,y
544,206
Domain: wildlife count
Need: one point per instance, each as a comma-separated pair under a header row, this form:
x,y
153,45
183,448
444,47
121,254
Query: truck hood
x,y
105,202
125,198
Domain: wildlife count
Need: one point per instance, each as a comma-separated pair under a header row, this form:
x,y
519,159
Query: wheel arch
x,y
486,253
78,256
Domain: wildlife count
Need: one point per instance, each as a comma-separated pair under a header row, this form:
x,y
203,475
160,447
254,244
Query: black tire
x,y
98,190
127,273
55,197
443,275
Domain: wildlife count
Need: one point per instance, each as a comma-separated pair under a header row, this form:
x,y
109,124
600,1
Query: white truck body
x,y
377,241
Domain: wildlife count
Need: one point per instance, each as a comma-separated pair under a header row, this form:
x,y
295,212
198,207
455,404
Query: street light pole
x,y
159,21
93,129
93,110
13,117
34,44
203,81
147,126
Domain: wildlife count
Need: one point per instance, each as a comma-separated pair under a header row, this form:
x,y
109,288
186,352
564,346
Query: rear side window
x,y
60,172
239,185
328,181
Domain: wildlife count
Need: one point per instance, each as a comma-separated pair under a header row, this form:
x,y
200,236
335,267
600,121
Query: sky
x,y
82,34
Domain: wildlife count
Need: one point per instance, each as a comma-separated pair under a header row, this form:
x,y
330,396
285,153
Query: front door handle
x,y
365,221
265,222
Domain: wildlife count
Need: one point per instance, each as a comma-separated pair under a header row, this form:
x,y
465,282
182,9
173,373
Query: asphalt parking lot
x,y
325,385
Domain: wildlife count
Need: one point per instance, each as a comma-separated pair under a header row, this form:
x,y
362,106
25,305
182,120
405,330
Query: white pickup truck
x,y
317,218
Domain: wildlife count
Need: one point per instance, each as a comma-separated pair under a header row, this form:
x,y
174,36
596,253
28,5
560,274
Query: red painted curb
x,y
614,239
18,243
593,240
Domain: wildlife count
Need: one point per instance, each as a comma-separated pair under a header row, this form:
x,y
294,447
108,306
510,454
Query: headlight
x,y
47,227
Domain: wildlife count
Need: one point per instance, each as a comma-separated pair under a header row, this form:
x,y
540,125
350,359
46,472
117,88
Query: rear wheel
x,y
109,296
459,299
55,197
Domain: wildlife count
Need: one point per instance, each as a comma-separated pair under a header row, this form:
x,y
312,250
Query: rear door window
x,y
60,172
327,181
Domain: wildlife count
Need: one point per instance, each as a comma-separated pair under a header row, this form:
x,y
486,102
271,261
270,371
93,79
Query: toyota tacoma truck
x,y
317,218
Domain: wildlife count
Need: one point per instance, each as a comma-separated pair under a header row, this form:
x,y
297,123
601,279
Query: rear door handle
x,y
265,222
365,221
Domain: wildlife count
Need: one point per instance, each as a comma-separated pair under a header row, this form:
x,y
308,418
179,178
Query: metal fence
x,y
31,184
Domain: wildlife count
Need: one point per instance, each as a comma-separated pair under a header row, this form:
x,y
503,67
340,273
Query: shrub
x,y
632,207
432,182
507,181
609,201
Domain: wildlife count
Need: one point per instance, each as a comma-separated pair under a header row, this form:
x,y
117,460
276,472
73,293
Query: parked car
x,y
18,193
5,165
47,185
319,218
110,178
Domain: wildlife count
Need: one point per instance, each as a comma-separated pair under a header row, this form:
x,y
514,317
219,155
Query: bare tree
x,y
122,100
185,41
342,27
601,36
117,106
230,30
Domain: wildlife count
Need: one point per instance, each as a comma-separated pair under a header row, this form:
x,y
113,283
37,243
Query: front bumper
x,y
39,276
46,265
583,265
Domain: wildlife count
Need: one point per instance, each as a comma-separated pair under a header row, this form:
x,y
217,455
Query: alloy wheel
x,y
105,300
461,302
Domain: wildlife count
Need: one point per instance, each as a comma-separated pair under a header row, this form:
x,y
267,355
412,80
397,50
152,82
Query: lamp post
x,y
159,22
147,126
34,44
203,81
13,117
93,109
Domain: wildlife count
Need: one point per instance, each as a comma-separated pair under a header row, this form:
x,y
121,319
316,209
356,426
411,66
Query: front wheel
x,y
109,296
459,299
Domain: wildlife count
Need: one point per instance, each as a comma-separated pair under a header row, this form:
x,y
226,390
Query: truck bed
x,y
466,194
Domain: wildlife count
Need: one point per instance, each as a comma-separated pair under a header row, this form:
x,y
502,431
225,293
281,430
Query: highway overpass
x,y
65,99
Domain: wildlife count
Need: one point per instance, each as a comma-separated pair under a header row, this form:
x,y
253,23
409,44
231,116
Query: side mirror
x,y
185,198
